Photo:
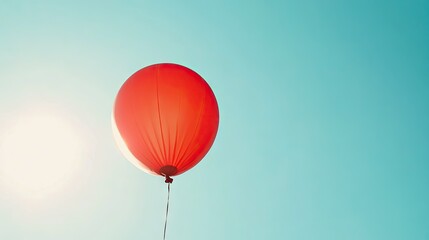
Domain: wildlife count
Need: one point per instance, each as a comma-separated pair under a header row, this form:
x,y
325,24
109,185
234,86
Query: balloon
x,y
166,118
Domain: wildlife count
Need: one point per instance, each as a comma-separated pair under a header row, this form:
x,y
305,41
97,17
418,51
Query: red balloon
x,y
168,117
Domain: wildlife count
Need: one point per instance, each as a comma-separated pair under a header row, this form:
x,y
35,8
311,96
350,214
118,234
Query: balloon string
x,y
166,211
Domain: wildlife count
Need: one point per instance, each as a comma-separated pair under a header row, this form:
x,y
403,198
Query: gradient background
x,y
324,109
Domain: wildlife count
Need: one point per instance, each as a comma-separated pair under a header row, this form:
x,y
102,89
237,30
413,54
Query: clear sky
x,y
324,130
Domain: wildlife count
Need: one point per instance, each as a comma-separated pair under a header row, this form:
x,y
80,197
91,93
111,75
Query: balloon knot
x,y
168,179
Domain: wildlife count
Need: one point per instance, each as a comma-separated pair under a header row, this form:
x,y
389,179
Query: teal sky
x,y
324,106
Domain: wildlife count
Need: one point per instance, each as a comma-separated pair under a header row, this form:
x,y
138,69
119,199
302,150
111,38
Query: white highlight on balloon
x,y
125,151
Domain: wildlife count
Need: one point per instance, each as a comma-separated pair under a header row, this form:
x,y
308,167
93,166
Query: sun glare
x,y
39,153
